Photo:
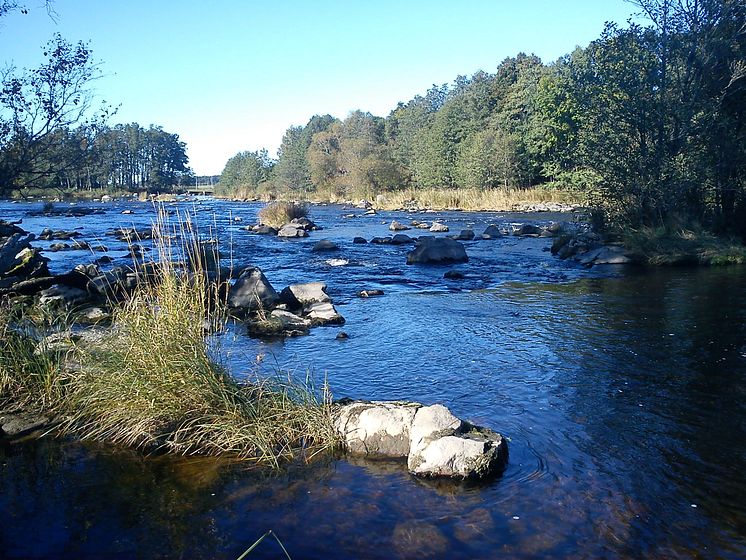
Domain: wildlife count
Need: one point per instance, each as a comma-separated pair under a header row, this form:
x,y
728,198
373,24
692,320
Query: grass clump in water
x,y
31,377
277,214
153,380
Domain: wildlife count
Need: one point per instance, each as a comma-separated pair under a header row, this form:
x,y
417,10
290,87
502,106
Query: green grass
x,y
682,246
154,380
30,374
277,214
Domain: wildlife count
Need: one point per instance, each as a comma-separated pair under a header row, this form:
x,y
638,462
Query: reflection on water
x,y
623,394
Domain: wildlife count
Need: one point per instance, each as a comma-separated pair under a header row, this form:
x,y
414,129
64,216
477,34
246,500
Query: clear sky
x,y
233,75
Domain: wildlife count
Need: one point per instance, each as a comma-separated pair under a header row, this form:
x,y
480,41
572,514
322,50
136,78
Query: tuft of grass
x,y
156,383
31,376
682,246
277,214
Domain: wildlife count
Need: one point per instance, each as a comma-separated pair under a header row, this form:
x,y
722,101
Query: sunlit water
x,y
623,393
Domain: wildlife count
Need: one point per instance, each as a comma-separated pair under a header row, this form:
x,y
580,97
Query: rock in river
x,y
325,245
437,250
252,291
434,441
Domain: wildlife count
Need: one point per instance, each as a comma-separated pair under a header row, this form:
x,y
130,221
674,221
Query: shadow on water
x,y
622,393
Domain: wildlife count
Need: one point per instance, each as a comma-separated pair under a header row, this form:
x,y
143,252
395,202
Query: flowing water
x,y
622,391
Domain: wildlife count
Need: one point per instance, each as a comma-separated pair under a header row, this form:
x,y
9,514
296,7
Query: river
x,y
622,391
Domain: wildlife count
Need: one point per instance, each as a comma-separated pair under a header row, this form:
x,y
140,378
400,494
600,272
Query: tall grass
x,y
502,199
31,377
277,214
156,383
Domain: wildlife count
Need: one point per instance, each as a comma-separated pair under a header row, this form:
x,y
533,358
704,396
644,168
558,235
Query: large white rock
x,y
459,456
324,313
378,429
430,423
306,294
434,441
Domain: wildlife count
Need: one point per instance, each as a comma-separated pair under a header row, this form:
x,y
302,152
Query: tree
x,y
36,103
245,173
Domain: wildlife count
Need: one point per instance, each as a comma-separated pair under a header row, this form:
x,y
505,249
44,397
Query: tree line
x,y
51,137
647,122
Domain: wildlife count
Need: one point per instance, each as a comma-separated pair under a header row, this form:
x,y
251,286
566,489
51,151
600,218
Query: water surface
x,y
622,392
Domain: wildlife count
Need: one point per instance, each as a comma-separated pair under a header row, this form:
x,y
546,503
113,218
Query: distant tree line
x,y
51,138
647,122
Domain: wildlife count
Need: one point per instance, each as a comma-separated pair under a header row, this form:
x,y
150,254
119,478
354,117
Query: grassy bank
x,y
682,246
154,380
500,200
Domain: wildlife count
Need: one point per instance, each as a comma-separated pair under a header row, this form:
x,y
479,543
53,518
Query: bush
x,y
277,214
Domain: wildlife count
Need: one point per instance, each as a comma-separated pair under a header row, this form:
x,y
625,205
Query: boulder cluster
x,y
434,442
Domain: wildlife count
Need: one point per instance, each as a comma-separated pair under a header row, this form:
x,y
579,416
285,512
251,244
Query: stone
x,y
252,291
381,240
263,230
431,423
305,224
437,250
491,232
297,295
63,296
401,239
292,230
434,441
369,293
359,240
341,335
376,429
22,424
454,275
396,226
458,457
325,245
92,315
9,228
526,230
465,235
606,254
323,313
437,227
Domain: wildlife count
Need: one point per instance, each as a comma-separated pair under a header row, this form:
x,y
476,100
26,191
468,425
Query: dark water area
x,y
622,391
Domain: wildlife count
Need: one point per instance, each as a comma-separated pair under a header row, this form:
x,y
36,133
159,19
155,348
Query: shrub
x,y
277,214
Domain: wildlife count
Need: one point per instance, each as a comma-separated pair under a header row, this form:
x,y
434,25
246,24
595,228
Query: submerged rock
x,y
437,250
359,240
434,441
325,245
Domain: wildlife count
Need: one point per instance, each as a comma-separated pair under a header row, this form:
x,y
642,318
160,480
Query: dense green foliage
x,y
646,122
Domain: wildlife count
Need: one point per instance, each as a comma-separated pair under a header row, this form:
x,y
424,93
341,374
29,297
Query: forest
x,y
646,123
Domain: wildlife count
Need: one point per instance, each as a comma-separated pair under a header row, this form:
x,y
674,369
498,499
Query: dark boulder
x,y
325,245
359,240
437,250
492,232
252,291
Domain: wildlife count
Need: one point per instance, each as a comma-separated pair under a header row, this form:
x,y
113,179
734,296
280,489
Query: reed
x,y
156,381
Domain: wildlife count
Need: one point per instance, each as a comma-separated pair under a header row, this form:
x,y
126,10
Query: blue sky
x,y
231,76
